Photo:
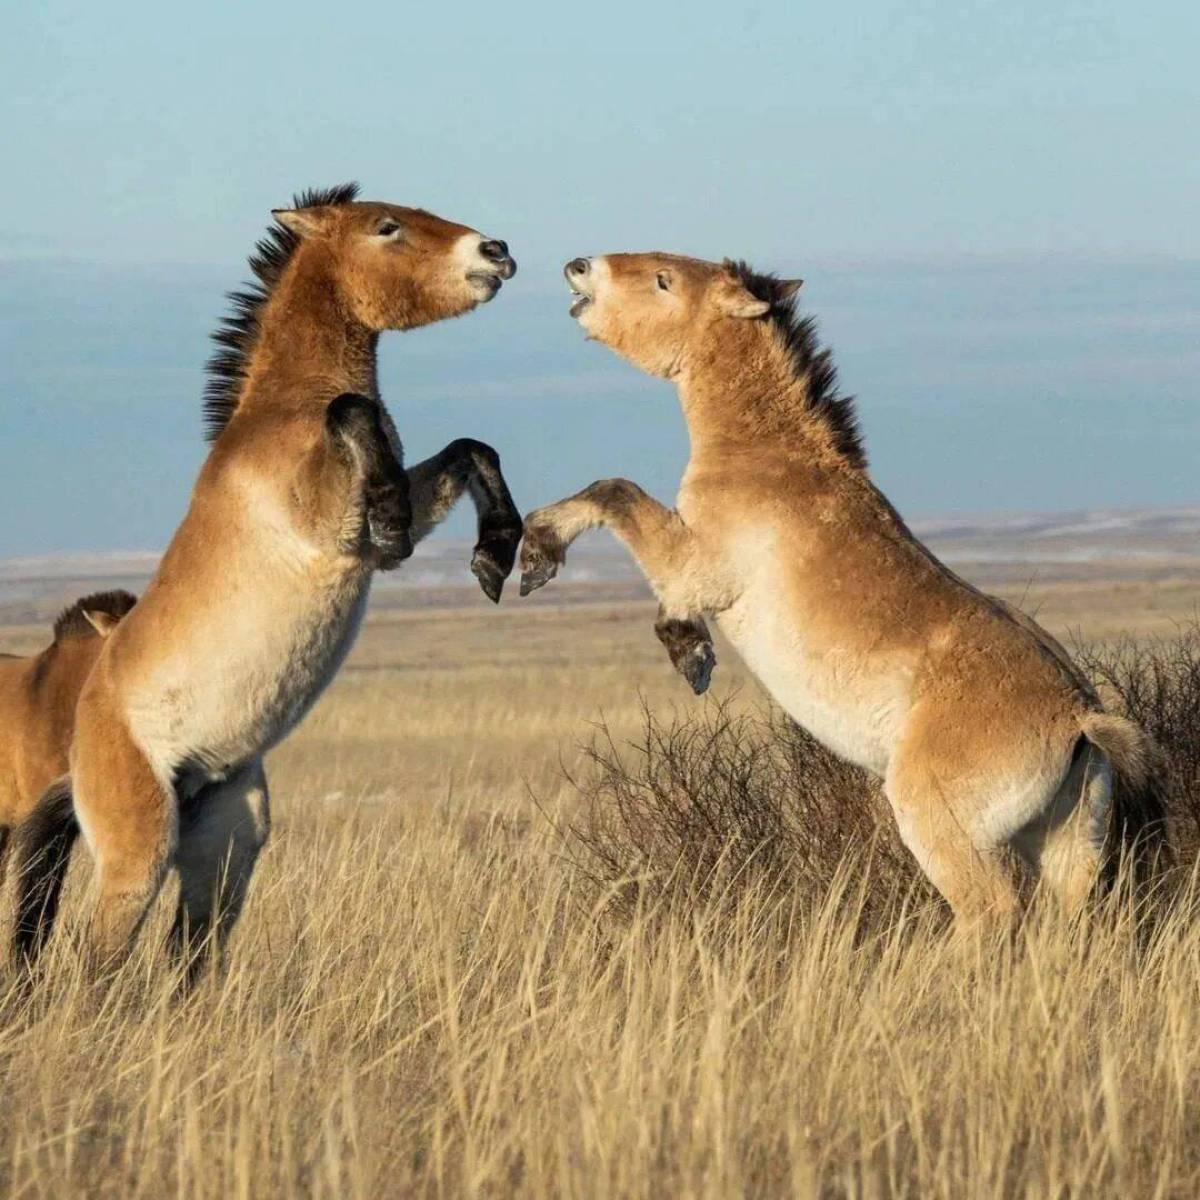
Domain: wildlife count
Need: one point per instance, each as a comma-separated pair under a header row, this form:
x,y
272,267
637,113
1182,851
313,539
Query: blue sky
x,y
994,205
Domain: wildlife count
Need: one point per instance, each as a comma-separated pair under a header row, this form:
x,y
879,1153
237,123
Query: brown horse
x,y
38,695
987,737
259,595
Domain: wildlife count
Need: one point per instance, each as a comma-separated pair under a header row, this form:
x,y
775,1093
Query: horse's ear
x,y
102,622
303,222
734,299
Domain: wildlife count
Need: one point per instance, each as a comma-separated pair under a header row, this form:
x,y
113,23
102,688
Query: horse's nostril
x,y
495,250
577,266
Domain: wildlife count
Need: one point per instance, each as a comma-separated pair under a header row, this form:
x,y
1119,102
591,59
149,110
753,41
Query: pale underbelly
x,y
849,702
205,713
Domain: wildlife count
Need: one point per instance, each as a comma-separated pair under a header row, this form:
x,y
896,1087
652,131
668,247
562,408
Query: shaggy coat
x,y
260,593
986,736
37,718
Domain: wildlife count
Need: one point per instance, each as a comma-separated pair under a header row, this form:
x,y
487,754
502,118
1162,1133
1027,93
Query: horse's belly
x,y
209,712
835,693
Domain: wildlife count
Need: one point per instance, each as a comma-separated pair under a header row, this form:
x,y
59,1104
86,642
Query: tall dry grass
x,y
445,998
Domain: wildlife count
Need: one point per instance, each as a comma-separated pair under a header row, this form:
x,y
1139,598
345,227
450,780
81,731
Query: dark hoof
x,y
697,667
390,549
493,559
490,574
537,575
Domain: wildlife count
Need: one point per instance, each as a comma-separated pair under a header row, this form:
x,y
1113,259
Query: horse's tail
x,y
43,853
1137,825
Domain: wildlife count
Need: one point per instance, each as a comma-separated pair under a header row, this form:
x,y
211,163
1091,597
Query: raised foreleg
x,y
665,549
689,646
435,486
375,514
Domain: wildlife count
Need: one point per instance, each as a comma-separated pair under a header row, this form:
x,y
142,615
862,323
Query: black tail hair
x,y
1139,829
43,853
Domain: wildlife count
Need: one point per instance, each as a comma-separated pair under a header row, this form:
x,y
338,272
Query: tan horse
x,y
987,737
38,695
259,595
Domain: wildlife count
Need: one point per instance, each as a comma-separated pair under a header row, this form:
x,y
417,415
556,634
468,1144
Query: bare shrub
x,y
1157,684
705,806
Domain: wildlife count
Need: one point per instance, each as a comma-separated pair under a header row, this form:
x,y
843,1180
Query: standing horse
x,y
38,695
985,734
260,593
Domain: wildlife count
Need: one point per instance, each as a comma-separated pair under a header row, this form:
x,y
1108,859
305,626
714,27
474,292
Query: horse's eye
x,y
387,228
664,281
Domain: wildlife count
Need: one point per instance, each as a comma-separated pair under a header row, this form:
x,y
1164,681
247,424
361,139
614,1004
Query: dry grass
x,y
427,996
724,799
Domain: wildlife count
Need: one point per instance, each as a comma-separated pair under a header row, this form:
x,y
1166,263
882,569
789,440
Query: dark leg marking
x,y
43,852
499,518
356,427
222,832
541,556
475,466
690,646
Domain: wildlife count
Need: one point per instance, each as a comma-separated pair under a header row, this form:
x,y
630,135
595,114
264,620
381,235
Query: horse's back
x,y
14,732
38,696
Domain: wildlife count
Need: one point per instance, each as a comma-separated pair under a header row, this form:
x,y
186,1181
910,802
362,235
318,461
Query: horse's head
x,y
398,268
652,308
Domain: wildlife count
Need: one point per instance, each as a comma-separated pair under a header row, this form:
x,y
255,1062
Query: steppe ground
x,y
425,997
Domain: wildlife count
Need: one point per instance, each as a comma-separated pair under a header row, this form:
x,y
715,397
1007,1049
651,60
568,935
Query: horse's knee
x,y
465,452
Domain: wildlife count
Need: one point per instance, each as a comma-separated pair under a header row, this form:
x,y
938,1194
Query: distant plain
x,y
424,999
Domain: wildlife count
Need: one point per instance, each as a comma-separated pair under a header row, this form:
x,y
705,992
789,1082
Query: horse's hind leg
x,y
1065,844
937,819
221,833
975,880
129,820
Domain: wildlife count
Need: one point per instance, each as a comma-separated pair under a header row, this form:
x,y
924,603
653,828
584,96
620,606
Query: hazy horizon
x,y
993,208
1012,385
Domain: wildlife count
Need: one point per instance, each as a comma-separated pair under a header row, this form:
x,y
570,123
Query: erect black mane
x,y
238,331
813,362
71,621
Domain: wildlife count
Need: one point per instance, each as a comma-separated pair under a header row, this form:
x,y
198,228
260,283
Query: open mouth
x,y
576,272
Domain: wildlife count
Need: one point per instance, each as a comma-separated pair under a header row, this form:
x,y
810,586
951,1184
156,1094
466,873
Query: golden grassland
x,y
425,996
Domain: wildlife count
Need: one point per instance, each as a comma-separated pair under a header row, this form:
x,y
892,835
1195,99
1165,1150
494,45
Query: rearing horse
x,y
261,591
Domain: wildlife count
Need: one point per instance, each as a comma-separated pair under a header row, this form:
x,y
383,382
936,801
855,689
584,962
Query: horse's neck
x,y
309,349
743,393
756,410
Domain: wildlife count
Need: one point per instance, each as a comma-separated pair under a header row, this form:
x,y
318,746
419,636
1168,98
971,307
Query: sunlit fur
x,y
38,695
988,739
259,595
